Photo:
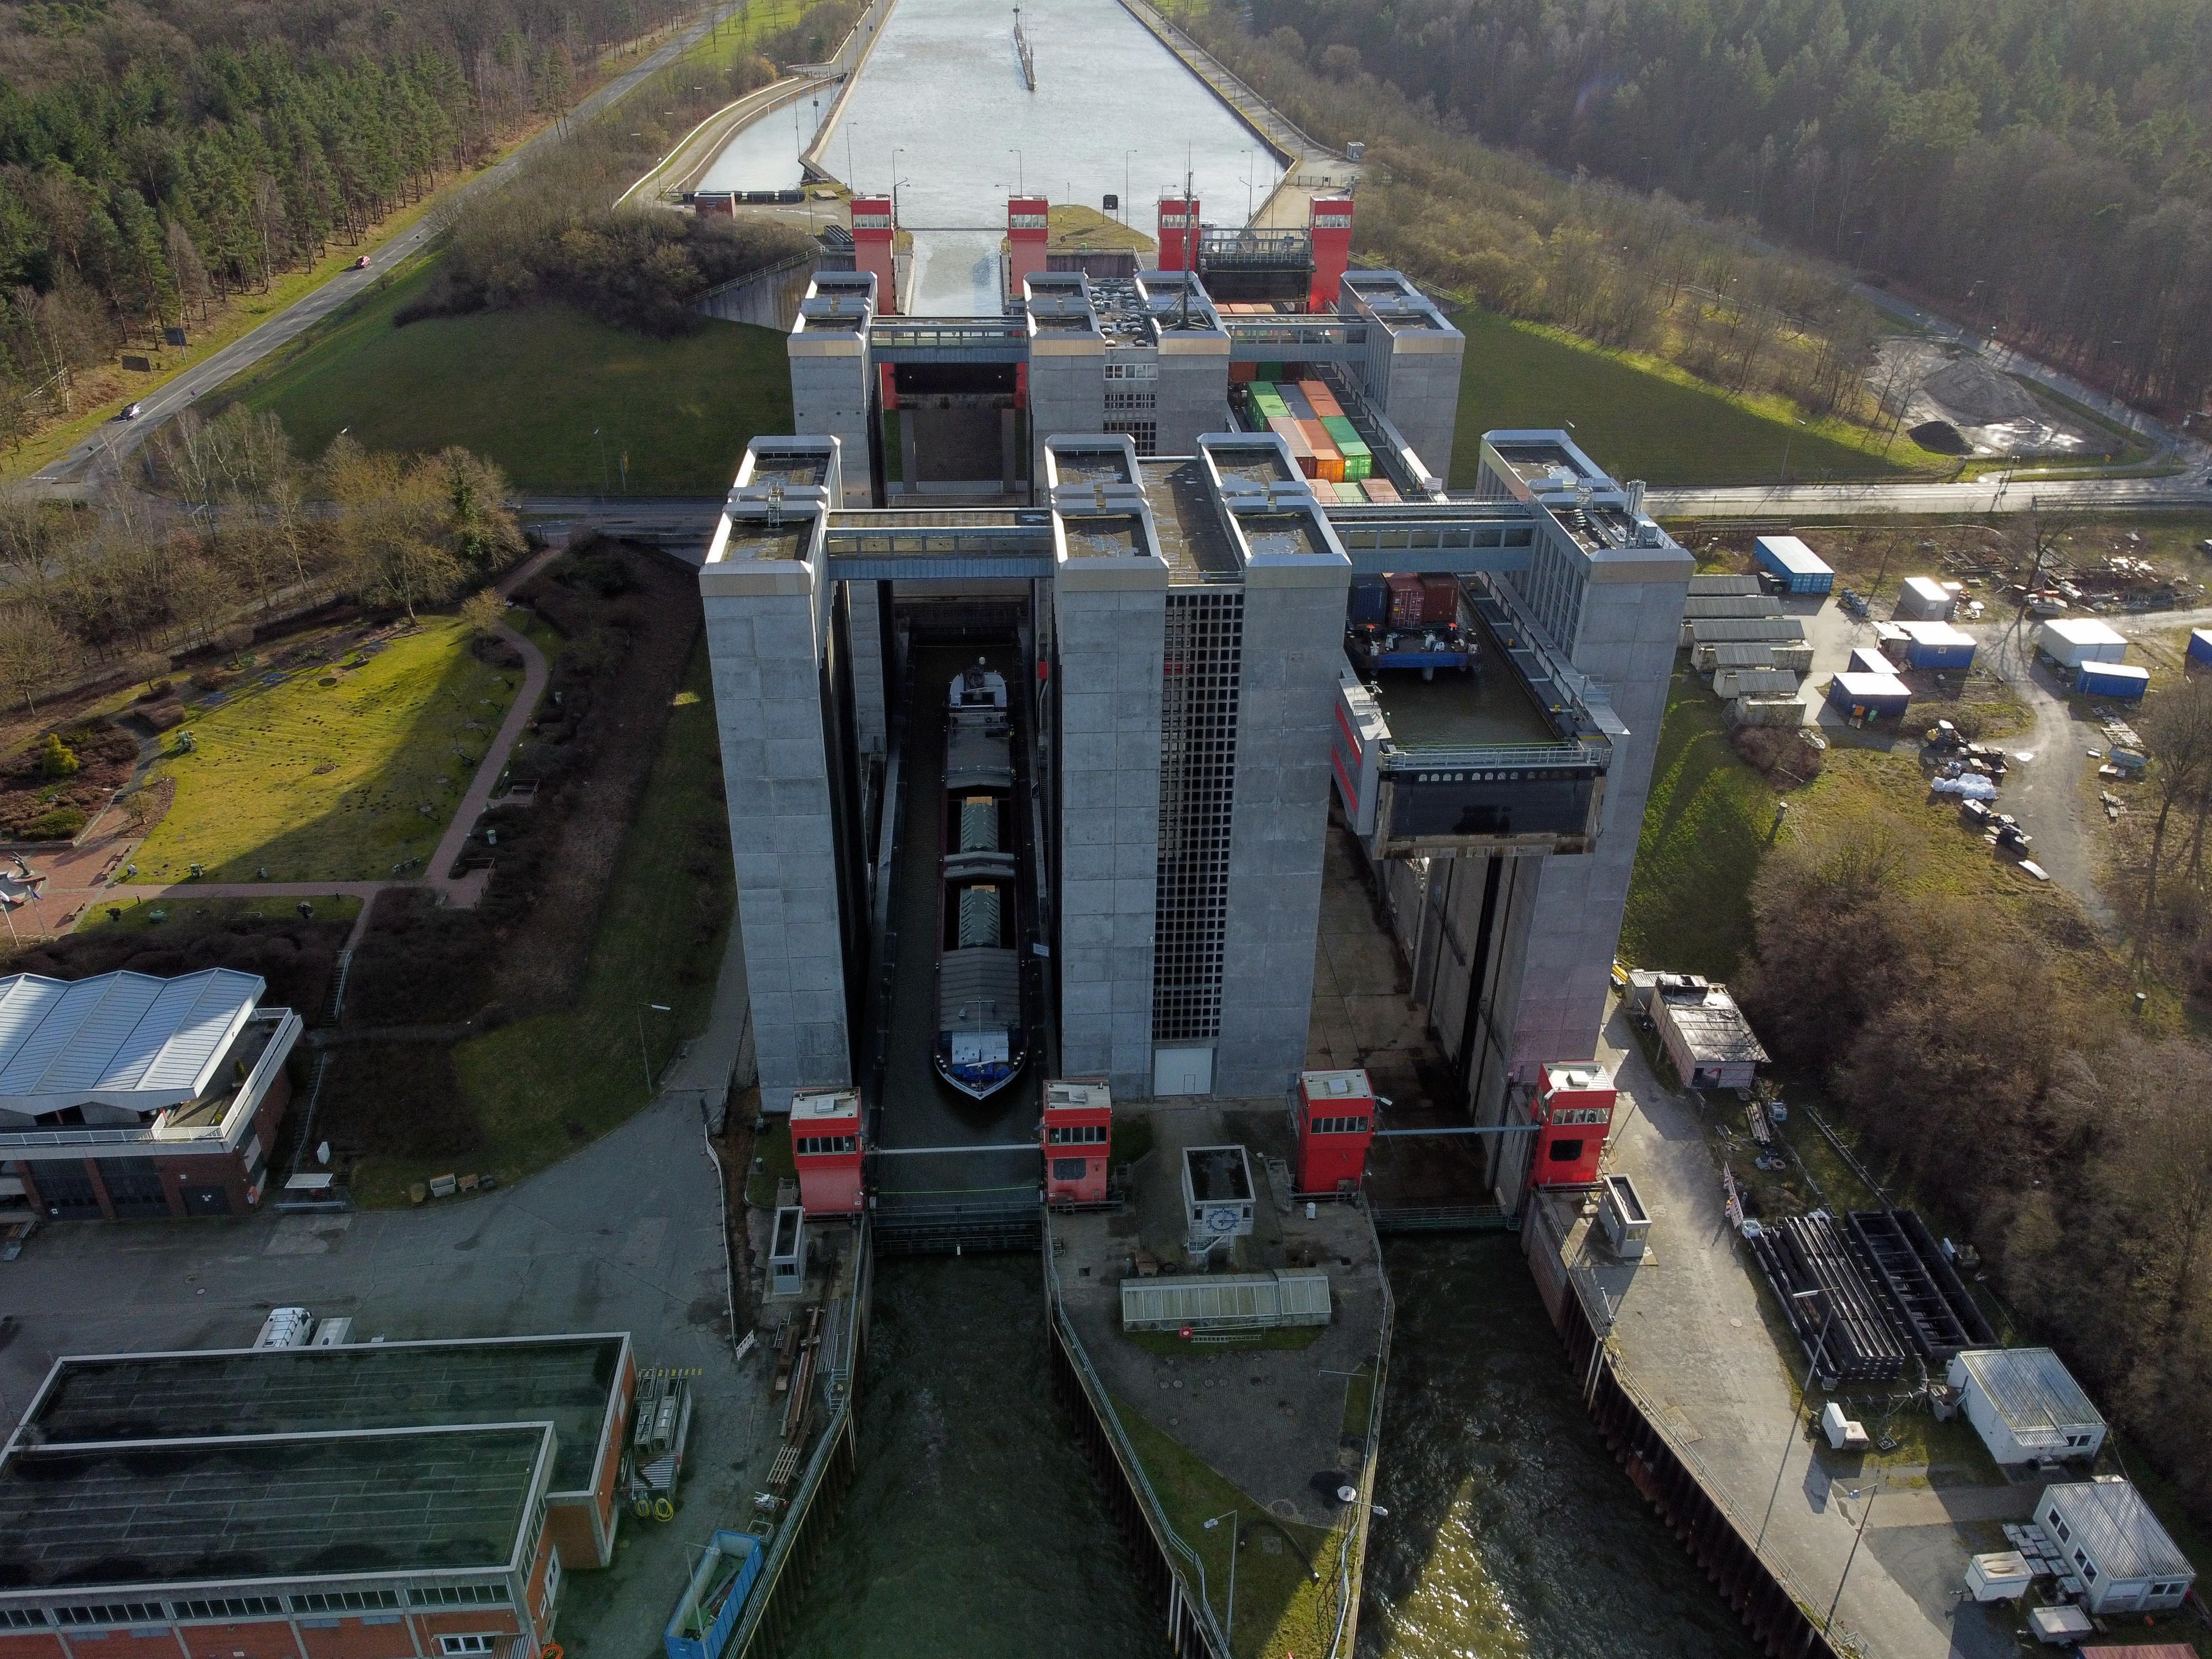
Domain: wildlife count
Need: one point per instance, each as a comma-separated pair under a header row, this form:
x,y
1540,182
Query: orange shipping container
x,y
1382,492
1322,399
1328,460
1242,372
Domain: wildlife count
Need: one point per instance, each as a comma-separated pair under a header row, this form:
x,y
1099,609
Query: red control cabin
x,y
873,232
1574,1116
826,1146
1029,236
1329,224
1077,1132
1178,234
1336,1122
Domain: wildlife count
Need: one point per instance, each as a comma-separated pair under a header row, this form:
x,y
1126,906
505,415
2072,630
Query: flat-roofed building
x,y
2025,1405
2112,1546
129,1096
402,1500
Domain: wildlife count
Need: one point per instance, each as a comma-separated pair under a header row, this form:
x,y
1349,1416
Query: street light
x,y
646,1058
1229,1625
1865,1515
1126,155
1021,177
1820,1351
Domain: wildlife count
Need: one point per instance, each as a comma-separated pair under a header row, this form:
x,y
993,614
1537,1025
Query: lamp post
x,y
1021,176
1229,1625
644,1056
1126,155
1828,1624
1820,1348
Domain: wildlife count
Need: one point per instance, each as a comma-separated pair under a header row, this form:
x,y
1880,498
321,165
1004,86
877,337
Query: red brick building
x,y
405,1500
128,1096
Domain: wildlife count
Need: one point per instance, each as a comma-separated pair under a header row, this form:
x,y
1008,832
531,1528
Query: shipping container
x,y
1863,661
1271,371
1407,600
1937,645
2121,681
2200,646
1440,601
1329,461
1370,600
1295,401
1301,452
1358,460
1801,570
1243,372
1922,599
1868,697
1382,492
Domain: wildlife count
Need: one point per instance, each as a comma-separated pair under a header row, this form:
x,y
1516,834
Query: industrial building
x,y
128,1096
1170,595
402,1500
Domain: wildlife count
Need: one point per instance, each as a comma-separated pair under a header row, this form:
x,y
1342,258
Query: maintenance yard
x,y
623,1237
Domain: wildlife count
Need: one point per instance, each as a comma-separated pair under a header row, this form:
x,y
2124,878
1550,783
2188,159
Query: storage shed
x,y
1923,598
1706,1035
1714,586
2200,646
1868,697
2121,681
2069,642
1802,569
2104,1534
1935,645
1754,683
2025,1404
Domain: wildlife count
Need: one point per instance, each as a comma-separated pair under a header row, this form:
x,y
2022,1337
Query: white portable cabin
x,y
1923,598
2109,1541
2072,641
2025,1404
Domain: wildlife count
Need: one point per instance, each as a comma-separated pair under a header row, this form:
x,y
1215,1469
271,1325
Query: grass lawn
x,y
151,912
545,1085
1705,831
558,400
1279,1609
317,782
1641,418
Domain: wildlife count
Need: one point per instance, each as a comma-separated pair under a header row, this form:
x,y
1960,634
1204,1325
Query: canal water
x,y
941,111
764,155
1512,1533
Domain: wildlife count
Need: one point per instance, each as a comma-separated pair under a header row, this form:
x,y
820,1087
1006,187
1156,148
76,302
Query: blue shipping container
x,y
1931,654
2121,681
714,1601
2200,645
1802,569
1370,600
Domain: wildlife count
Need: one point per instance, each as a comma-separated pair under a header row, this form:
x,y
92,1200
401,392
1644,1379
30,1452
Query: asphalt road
x,y
1997,495
119,437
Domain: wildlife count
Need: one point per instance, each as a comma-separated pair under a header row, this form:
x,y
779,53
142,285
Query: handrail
x,y
1406,757
1370,1461
1125,1453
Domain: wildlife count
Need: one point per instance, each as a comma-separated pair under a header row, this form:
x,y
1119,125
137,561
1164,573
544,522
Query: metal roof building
x,y
2025,1404
1223,1302
1706,1035
2123,1559
131,1041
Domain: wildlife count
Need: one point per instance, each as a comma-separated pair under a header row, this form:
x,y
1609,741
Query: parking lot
x,y
624,1235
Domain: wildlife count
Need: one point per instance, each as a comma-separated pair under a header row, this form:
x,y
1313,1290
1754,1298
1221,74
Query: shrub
x,y
60,824
56,758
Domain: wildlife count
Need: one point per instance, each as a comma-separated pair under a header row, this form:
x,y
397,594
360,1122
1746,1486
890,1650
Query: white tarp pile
x,y
1969,785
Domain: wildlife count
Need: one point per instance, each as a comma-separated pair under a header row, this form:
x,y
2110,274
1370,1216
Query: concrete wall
x,y
765,651
864,625
1110,641
829,398
767,299
1193,393
1422,400
1067,393
1292,647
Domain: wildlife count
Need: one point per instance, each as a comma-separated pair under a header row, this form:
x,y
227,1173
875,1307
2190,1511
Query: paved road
x,y
2016,494
120,437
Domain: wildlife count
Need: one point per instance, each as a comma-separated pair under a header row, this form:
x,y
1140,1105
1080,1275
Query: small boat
x,y
982,1035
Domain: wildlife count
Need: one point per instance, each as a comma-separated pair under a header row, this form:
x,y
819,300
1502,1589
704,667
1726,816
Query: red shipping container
x,y
1441,600
1407,600
1301,452
1242,372
1328,460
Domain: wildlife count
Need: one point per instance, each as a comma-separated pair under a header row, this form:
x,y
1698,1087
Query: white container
x,y
333,1333
1843,1433
2072,642
1627,1223
286,1327
2001,1576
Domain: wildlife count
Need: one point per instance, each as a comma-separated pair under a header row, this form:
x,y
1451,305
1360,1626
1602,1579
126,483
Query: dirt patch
x,y
1967,405
52,789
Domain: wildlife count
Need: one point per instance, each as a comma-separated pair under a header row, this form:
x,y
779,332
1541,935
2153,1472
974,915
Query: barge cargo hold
x,y
983,1027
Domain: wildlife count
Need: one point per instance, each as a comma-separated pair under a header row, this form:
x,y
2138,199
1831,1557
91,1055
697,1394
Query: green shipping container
x,y
1271,371
1341,429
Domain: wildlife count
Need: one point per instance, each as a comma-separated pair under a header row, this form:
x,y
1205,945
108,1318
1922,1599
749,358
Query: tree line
x,y
2046,169
223,525
154,157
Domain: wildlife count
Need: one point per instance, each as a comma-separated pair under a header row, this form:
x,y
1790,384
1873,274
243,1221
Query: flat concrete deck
x,y
1268,1418
1688,1334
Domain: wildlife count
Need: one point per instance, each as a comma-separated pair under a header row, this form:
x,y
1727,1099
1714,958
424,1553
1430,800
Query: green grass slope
x,y
557,399
1635,419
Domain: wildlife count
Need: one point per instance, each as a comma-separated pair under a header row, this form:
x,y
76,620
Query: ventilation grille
x,y
1198,766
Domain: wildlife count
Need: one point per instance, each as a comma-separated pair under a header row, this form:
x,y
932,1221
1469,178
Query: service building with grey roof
x,y
406,1500
128,1096
2025,1405
2120,1559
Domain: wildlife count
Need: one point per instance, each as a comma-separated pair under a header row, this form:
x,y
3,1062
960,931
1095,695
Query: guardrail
x,y
1353,1554
1192,1627
1493,757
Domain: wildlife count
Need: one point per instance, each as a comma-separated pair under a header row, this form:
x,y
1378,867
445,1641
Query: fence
x,y
800,1537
